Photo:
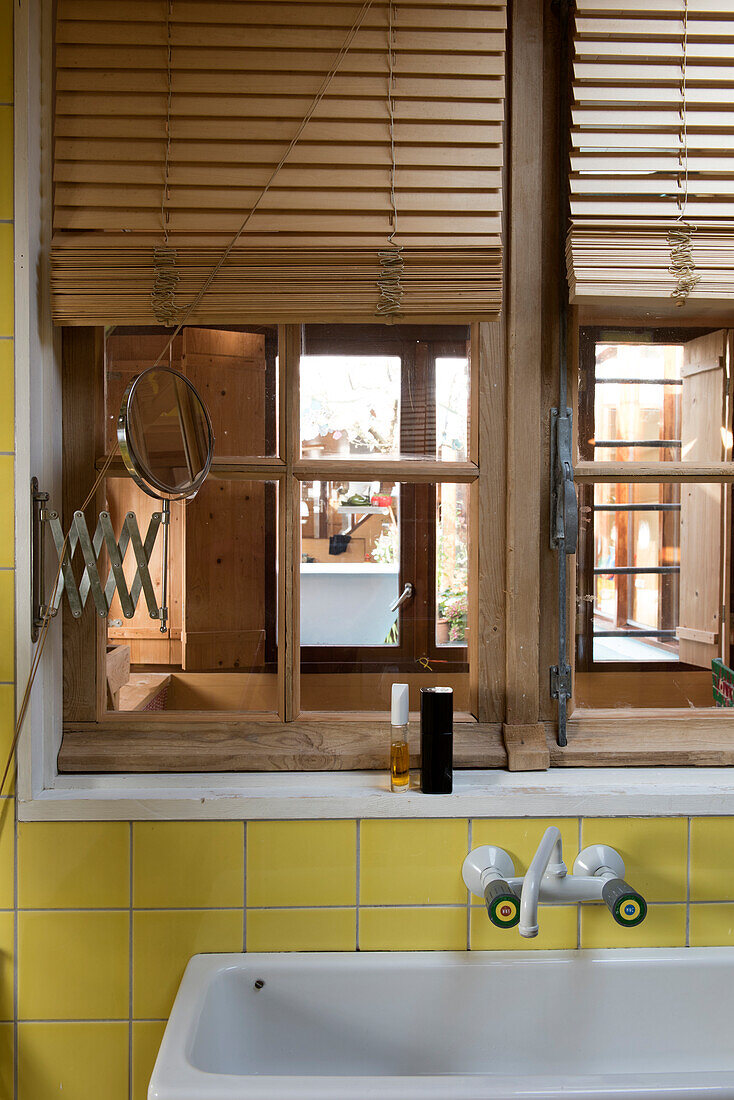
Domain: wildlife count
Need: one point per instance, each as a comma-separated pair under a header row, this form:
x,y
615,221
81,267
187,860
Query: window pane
x,y
637,403
656,403
219,651
365,545
384,390
452,565
452,408
350,405
234,371
350,563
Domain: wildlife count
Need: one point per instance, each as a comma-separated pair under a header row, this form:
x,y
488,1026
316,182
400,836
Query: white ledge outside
x,y
572,792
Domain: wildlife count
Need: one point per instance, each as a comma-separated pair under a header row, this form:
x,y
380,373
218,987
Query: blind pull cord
x,y
166,274
680,236
392,264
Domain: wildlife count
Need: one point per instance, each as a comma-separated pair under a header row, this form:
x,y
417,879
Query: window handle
x,y
405,595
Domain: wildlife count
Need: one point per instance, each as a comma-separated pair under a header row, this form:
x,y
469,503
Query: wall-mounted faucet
x,y
598,875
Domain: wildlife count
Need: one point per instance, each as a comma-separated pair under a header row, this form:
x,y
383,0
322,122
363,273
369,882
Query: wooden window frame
x,y
95,739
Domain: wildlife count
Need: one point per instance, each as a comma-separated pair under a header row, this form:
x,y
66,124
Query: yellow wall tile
x,y
73,965
301,929
7,410
520,837
163,943
7,527
412,929
712,925
7,852
7,720
74,865
7,625
6,162
301,863
6,51
654,850
6,1061
664,926
7,269
7,956
73,1061
404,862
187,864
147,1035
712,865
558,926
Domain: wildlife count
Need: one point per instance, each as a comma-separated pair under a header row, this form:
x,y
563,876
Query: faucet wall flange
x,y
591,860
480,861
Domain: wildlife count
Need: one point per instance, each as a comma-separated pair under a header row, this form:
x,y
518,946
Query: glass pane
x,y
234,372
636,570
219,650
637,403
452,564
350,563
409,541
350,405
452,408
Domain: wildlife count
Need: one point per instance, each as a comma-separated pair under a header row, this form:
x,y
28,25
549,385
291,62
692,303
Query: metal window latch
x,y
404,596
564,529
90,548
564,525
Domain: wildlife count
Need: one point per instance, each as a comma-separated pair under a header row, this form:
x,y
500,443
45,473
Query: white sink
x,y
534,1025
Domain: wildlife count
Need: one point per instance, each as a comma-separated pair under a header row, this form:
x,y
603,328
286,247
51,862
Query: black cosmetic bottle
x,y
437,740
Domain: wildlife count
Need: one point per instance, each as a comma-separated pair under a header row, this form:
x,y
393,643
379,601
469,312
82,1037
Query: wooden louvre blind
x,y
652,148
173,115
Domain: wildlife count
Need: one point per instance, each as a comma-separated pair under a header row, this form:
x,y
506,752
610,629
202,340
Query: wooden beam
x,y
647,738
488,522
527,747
289,511
82,415
406,468
598,472
524,338
258,746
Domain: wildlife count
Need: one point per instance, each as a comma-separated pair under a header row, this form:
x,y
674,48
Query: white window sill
x,y
572,792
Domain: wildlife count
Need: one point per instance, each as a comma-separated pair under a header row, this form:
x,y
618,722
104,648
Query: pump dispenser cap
x,y
400,705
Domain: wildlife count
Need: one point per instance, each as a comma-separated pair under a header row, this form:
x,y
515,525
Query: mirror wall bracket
x,y
90,548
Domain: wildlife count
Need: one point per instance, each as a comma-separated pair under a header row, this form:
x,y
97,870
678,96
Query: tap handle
x,y
626,906
503,904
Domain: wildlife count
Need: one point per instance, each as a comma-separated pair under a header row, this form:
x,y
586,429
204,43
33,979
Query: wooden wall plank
x,y
524,339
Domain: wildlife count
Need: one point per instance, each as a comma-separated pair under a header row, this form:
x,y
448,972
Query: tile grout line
x,y
470,835
357,898
688,887
244,886
130,967
578,907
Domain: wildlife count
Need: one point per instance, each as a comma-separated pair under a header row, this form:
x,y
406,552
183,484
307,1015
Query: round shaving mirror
x,y
165,434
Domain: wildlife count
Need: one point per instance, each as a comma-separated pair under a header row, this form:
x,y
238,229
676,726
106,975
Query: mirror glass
x,y
165,434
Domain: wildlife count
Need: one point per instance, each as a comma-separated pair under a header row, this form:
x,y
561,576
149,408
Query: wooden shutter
x,y
704,553
224,614
243,76
627,162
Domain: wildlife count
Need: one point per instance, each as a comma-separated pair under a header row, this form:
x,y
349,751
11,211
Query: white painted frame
x,y
43,794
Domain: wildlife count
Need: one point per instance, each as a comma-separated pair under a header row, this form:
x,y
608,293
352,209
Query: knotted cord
x,y
163,295
391,259
680,236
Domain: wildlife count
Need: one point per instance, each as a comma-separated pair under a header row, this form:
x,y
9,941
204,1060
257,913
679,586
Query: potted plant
x,y
452,613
